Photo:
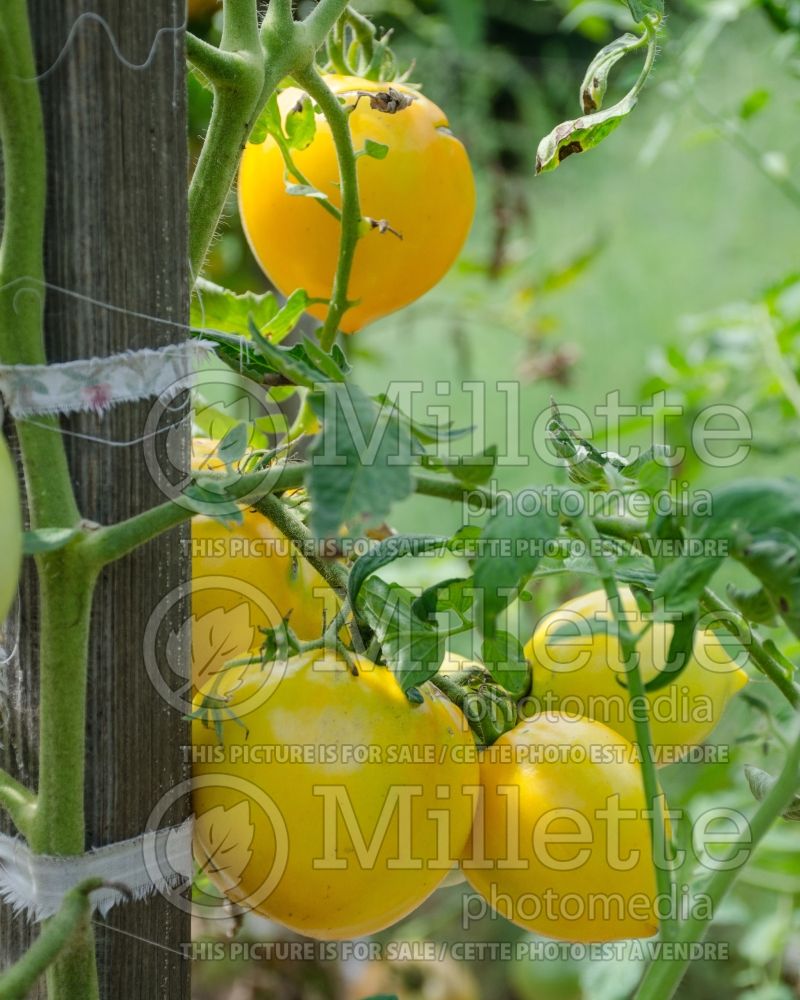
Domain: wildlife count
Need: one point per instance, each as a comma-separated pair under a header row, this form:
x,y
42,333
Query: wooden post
x,y
116,232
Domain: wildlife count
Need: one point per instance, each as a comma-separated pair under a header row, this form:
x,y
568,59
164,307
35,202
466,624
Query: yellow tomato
x,y
334,805
560,844
578,668
246,577
423,189
11,521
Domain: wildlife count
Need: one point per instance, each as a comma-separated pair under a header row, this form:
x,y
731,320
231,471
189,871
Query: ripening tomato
x,y
11,520
246,577
578,668
333,805
560,844
423,189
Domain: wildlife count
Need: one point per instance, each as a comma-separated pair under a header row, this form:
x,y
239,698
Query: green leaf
x,y
385,552
376,150
304,191
329,364
595,82
581,134
585,464
509,552
755,102
47,540
641,8
756,605
361,462
679,654
413,648
301,125
426,433
268,122
285,320
239,354
233,445
503,655
761,784
651,470
220,309
774,559
635,570
294,363
475,470
455,594
753,521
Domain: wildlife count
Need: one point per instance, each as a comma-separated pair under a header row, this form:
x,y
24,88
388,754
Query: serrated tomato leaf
x,y
505,659
360,463
385,552
413,649
217,308
511,545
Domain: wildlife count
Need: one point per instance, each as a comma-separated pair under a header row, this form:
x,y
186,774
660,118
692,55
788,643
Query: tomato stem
x,y
71,921
57,825
244,72
292,527
338,120
662,978
18,801
107,544
654,798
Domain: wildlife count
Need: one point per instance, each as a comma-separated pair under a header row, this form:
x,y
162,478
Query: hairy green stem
x,y
65,594
292,527
662,978
71,922
65,587
50,496
18,801
245,72
337,119
239,94
321,20
220,68
586,529
232,117
105,545
301,178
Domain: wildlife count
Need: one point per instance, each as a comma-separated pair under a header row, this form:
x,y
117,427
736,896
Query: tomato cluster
x,y
330,802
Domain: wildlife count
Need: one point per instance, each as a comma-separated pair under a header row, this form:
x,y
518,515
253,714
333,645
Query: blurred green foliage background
x,y
640,266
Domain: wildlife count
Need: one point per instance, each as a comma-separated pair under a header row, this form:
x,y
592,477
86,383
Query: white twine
x,y
35,884
96,384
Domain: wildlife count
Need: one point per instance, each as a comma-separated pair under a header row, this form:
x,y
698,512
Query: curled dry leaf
x,y
593,88
383,227
580,134
388,101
